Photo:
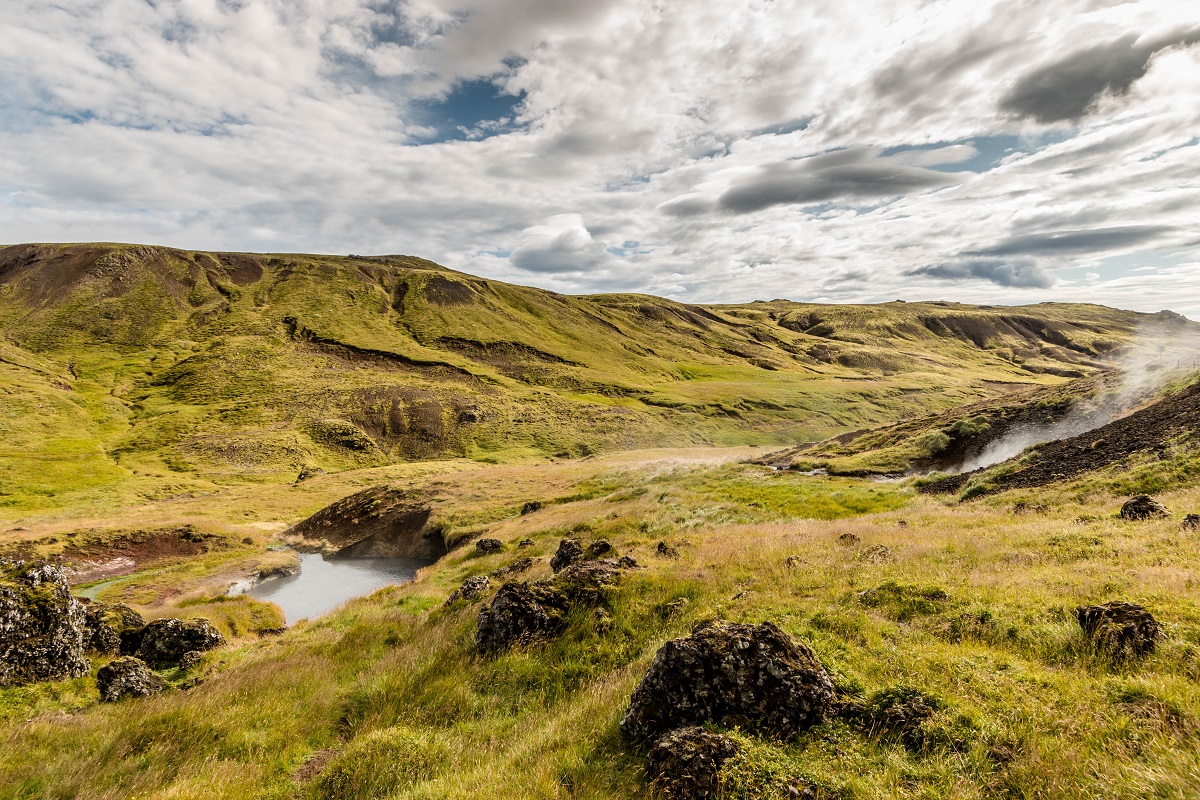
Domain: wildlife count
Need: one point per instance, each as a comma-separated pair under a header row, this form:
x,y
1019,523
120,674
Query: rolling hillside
x,y
162,372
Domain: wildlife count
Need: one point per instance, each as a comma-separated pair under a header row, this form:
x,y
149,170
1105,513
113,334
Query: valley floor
x,y
970,606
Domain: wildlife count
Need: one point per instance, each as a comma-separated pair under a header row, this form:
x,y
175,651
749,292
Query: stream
x,y
322,585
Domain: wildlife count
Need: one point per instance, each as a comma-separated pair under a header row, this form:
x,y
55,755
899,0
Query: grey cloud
x,y
1066,89
1016,274
856,172
1074,242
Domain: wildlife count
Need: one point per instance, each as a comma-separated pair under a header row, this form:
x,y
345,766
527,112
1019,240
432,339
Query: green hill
x,y
152,372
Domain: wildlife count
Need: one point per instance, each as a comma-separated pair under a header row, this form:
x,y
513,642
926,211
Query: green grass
x,y
972,608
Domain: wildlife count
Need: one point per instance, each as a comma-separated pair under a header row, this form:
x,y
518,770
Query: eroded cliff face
x,y
381,522
42,627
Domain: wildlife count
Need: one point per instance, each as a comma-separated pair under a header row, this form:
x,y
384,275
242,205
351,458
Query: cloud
x,y
1018,274
561,244
1074,242
855,173
1068,88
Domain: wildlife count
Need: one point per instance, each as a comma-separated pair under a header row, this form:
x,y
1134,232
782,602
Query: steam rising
x,y
1161,353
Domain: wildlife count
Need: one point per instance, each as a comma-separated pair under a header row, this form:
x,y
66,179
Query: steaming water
x,y
323,585
1160,354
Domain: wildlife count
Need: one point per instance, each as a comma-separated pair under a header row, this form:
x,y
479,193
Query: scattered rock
x,y
471,590
164,641
903,523
794,562
876,554
667,551
724,671
848,540
525,543
515,568
1144,507
627,562
531,506
523,612
599,549
112,629
743,594
686,764
127,676
604,621
43,629
1191,522
1122,630
486,547
190,659
519,614
569,551
248,540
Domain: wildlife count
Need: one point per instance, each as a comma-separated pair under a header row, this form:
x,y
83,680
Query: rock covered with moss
x,y
1144,507
166,641
1120,629
42,627
111,629
686,764
127,676
754,675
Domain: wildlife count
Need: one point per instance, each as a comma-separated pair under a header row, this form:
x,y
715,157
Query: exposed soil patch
x,y
1147,431
445,292
512,359
111,557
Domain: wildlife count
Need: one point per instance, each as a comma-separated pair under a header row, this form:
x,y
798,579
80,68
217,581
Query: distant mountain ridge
x,y
176,367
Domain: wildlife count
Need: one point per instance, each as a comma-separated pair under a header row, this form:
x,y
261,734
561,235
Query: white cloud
x,y
297,124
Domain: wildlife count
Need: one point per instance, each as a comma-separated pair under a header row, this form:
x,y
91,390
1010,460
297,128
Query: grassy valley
x,y
173,421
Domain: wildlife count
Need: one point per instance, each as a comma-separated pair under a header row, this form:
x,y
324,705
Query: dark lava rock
x,y
488,546
569,551
471,590
127,676
686,763
1144,507
599,549
190,659
1191,522
519,614
112,629
848,539
724,671
515,568
531,506
876,554
667,551
627,562
164,641
1122,630
43,629
525,543
523,612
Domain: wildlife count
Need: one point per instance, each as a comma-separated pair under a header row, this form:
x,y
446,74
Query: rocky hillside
x,y
163,372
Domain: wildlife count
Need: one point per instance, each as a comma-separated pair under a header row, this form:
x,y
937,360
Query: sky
x,y
1003,152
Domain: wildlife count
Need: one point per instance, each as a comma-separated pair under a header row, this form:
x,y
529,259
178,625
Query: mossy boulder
x,y
112,629
727,672
685,764
1119,629
1144,507
127,676
166,641
42,627
569,551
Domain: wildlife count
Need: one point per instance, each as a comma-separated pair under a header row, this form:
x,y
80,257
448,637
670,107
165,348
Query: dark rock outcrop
x,y
523,612
686,764
43,631
1143,507
127,676
755,675
515,568
848,540
112,629
165,641
521,545
1191,522
667,551
486,547
599,549
471,590
531,506
569,551
1119,629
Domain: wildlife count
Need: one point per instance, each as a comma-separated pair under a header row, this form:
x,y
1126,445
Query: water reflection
x,y
323,585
